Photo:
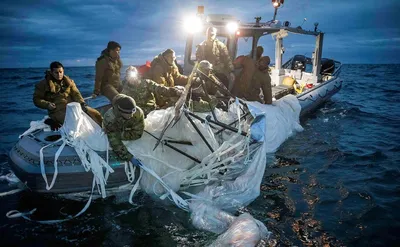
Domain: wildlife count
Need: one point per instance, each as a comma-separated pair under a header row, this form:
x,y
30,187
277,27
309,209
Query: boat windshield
x,y
244,46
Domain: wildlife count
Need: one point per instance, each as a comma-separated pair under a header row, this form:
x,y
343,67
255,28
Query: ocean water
x,y
337,183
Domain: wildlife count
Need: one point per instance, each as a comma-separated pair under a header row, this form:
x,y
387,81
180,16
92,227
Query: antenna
x,y
258,19
316,26
304,20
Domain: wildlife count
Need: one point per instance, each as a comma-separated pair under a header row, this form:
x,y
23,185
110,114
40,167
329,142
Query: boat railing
x,y
338,68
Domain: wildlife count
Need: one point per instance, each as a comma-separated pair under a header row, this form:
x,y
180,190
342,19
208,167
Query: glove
x,y
84,107
178,91
51,106
136,162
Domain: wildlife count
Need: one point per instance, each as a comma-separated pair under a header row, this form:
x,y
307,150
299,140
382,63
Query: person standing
x,y
108,72
217,54
55,91
253,77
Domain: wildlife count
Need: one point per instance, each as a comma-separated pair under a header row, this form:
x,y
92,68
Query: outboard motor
x,y
327,66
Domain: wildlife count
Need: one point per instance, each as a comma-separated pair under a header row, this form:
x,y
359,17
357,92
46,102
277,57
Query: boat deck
x,y
280,91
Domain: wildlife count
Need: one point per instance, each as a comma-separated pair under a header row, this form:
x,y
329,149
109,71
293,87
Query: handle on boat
x,y
88,98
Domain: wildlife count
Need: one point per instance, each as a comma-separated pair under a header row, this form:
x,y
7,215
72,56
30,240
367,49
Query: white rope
x,y
10,192
42,165
179,201
135,187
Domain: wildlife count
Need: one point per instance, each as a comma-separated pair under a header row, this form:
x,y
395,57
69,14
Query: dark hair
x,y
167,51
56,65
260,50
112,45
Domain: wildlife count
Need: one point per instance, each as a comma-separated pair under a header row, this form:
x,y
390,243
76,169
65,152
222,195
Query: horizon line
x,y
82,66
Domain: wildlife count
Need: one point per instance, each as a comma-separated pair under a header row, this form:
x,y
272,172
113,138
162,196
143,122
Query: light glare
x,y
193,24
232,27
132,74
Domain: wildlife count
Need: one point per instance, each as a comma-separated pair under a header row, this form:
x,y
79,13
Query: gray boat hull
x,y
314,97
24,160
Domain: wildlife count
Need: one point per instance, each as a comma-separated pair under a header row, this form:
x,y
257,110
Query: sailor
x,y
259,52
55,91
253,77
217,54
164,70
207,91
108,67
212,84
145,91
123,122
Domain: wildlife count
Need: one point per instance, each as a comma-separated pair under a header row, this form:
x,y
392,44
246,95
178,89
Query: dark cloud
x,y
35,33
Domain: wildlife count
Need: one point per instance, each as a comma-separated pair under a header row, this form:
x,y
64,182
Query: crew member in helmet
x,y
123,122
145,91
206,78
207,90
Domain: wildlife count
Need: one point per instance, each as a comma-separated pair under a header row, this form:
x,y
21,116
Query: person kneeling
x,y
147,92
123,122
55,92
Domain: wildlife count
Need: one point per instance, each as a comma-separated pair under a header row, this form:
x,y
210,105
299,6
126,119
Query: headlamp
x,y
132,74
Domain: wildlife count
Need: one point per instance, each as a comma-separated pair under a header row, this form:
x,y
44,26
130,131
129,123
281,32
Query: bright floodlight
x,y
132,74
193,24
232,27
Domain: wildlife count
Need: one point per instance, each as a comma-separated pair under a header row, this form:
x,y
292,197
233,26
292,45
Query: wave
x,y
370,75
25,85
15,77
35,78
374,156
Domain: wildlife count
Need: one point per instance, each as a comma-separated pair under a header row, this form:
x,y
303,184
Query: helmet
x,y
205,67
131,72
126,104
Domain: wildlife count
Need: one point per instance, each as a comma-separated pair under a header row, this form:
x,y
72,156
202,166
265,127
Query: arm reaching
x,y
38,97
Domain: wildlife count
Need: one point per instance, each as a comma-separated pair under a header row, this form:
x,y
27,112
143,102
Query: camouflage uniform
x,y
60,93
119,129
251,79
165,74
217,54
107,81
146,92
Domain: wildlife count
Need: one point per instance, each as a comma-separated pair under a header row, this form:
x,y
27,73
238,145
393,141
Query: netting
x,y
206,171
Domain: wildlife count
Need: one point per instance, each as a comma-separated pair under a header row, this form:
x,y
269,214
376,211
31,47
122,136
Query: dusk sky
x,y
34,33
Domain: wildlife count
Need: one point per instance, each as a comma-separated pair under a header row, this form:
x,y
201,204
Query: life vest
x,y
143,69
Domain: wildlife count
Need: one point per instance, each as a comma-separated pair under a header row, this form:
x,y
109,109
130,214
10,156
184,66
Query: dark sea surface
x,y
336,183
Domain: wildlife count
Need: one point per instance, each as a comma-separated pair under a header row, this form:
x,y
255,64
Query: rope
x,y
42,166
